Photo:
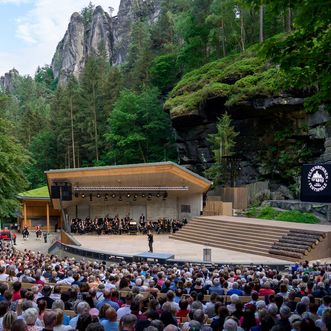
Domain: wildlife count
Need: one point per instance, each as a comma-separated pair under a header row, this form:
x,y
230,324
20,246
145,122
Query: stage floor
x,y
135,244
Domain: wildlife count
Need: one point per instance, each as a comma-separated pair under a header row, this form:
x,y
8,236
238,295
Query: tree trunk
x,y
223,38
261,39
289,19
96,138
72,134
242,31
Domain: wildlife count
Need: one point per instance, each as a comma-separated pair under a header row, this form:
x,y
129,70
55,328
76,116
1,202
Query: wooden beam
x,y
47,217
24,214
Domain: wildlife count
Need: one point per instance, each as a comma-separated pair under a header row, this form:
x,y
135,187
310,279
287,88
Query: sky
x,y
31,29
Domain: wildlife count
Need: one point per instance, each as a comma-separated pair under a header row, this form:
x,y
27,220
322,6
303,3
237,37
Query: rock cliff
x,y
112,34
7,81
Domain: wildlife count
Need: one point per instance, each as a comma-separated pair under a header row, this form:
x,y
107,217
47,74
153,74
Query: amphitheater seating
x,y
272,241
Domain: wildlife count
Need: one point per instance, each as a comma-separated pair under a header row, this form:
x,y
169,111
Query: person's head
x,y
307,324
128,322
295,321
285,312
49,319
83,307
58,304
41,305
230,325
83,321
17,286
19,325
103,309
183,304
8,320
198,315
194,325
111,314
95,327
59,316
30,316
158,324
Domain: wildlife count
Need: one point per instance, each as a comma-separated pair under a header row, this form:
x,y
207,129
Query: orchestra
x,y
126,225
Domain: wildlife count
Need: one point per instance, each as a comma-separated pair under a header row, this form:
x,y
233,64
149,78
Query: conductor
x,y
150,241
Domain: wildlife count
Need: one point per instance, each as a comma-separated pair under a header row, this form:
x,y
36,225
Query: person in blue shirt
x,y
107,299
110,323
235,290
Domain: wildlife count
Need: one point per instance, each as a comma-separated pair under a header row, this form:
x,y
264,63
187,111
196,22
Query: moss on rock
x,y
237,78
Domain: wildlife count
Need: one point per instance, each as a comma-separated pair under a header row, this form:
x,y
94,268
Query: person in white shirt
x,y
3,275
68,280
125,309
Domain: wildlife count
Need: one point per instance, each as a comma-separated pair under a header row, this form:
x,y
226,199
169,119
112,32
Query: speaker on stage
x,y
66,193
55,192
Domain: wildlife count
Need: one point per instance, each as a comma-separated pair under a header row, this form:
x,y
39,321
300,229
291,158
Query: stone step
x,y
218,224
262,252
242,233
206,238
224,242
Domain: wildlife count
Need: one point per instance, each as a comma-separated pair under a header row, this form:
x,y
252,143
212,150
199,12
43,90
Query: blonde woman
x,y
8,320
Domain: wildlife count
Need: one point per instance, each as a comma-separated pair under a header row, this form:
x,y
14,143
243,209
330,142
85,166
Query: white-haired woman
x,y
30,316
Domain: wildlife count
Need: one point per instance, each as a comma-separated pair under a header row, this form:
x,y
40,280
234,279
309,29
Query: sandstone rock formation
x,y
112,34
7,81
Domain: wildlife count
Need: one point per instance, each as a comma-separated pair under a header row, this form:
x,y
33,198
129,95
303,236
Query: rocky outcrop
x,y
69,57
80,42
99,34
104,33
7,81
129,12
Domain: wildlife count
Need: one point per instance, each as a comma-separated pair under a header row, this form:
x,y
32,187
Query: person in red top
x,y
183,311
16,291
266,290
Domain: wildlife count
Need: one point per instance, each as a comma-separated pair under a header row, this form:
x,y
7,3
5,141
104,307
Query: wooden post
x,y
24,214
47,217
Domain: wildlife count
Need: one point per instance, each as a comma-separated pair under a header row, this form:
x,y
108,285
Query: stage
x,y
135,244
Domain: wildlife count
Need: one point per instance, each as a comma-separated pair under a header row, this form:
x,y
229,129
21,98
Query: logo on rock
x,y
318,178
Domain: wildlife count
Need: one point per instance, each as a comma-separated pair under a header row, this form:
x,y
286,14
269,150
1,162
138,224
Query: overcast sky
x,y
31,29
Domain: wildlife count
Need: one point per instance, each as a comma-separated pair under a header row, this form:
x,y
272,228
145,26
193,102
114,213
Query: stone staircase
x,y
272,241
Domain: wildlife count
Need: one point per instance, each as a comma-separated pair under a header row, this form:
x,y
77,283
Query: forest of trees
x,y
114,115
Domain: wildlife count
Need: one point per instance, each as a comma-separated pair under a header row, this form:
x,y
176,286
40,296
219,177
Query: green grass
x,y
269,213
41,192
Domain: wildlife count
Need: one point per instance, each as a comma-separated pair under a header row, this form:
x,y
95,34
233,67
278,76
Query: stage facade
x,y
155,190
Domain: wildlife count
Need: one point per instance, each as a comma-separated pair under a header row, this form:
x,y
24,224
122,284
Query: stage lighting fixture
x,y
157,194
83,195
128,195
135,196
149,197
91,197
143,195
120,198
98,195
76,195
113,195
106,197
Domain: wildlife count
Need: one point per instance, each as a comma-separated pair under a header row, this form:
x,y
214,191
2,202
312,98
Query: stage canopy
x,y
157,185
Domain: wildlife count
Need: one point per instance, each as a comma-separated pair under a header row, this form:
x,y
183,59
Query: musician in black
x,y
150,241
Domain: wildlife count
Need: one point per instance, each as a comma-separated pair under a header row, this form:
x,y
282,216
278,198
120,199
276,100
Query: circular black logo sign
x,y
318,178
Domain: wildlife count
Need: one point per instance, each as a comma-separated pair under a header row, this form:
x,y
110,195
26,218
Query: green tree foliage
x,y
87,13
223,143
139,130
305,53
13,160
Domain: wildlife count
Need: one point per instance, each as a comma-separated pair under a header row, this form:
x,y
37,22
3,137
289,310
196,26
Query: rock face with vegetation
x,y
269,117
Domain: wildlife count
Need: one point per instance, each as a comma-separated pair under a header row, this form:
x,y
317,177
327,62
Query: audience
x,y
48,292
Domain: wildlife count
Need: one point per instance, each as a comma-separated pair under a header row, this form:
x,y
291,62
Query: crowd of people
x,y
126,225
71,294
